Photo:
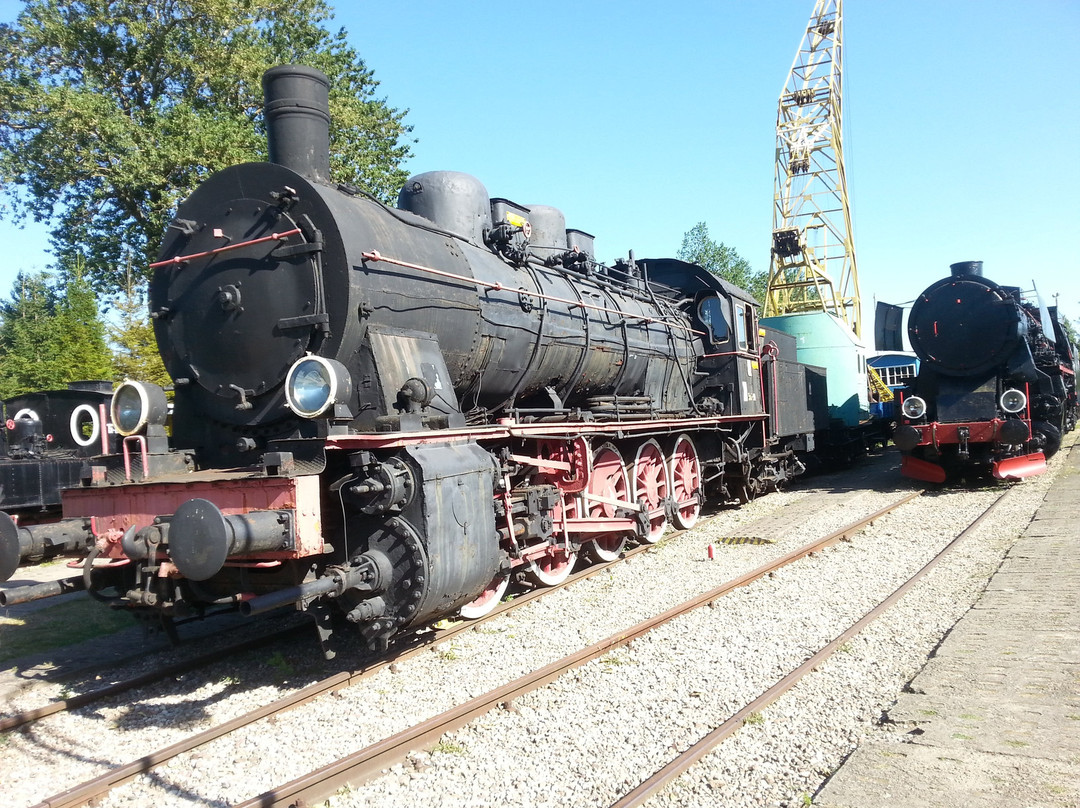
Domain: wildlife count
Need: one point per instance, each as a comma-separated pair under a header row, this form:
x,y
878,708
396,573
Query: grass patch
x,y
58,626
449,748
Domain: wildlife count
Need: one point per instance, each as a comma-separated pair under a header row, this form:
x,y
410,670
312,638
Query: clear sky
x,y
640,119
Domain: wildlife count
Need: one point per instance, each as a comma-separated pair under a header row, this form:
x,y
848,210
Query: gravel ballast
x,y
598,731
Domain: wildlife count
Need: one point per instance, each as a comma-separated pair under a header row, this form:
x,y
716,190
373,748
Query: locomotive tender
x,y
46,439
387,413
996,386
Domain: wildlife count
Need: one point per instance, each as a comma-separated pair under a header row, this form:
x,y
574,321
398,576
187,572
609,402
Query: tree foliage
x,y
699,248
135,353
51,334
111,111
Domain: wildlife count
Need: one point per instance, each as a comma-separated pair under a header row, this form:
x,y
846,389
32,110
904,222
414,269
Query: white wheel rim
x,y
658,491
683,466
488,599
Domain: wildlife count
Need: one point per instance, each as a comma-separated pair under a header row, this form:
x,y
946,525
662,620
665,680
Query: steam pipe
x,y
286,597
368,574
25,594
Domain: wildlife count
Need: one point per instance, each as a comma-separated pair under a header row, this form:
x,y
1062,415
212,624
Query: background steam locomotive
x,y
996,387
46,440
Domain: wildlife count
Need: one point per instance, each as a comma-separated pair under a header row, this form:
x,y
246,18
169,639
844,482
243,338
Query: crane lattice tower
x,y
813,253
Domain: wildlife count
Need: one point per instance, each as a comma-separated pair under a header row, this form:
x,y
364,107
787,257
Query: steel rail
x,y
681,764
149,677
369,762
410,645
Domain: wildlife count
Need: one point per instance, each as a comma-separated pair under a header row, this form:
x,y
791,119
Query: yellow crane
x,y
813,253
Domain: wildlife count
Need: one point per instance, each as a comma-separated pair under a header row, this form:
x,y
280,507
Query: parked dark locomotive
x,y
44,444
387,414
996,386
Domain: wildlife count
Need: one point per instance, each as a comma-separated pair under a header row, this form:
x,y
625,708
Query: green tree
x,y
699,248
27,336
1068,328
135,353
82,353
50,334
111,111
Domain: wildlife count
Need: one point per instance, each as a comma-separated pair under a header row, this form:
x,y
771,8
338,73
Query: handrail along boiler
x,y
385,414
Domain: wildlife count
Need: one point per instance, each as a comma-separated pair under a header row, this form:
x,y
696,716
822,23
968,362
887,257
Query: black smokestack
x,y
966,268
297,117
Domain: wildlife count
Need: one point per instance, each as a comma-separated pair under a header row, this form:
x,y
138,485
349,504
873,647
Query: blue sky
x,y
961,139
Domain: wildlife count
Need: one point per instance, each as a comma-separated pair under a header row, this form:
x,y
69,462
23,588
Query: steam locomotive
x,y
45,441
383,415
996,386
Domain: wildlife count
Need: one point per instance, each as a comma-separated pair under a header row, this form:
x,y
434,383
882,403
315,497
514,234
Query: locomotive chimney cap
x,y
966,268
297,113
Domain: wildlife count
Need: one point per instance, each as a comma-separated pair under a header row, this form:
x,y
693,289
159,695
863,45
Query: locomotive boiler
x,y
383,415
996,386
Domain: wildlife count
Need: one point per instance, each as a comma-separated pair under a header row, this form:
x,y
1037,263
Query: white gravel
x,y
596,732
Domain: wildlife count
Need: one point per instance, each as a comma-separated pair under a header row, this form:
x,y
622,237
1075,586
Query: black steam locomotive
x,y
996,387
385,414
46,440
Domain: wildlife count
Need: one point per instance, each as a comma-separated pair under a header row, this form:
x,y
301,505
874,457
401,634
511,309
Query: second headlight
x,y
1013,400
136,404
315,384
914,407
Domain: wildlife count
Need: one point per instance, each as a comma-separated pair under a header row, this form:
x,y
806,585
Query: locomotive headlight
x,y
1013,401
137,404
914,407
314,385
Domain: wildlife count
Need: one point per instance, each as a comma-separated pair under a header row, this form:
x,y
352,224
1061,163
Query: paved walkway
x,y
995,714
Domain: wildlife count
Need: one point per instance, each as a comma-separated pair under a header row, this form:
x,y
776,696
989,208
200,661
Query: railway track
x,y
367,762
658,781
405,647
448,669
94,673
373,760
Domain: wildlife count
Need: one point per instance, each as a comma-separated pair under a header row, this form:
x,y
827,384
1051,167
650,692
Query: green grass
x,y
58,626
449,748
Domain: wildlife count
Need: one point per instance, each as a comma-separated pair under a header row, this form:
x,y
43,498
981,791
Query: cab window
x,y
745,326
711,314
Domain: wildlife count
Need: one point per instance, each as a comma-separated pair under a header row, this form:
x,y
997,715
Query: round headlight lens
x,y
136,404
314,384
1013,401
914,407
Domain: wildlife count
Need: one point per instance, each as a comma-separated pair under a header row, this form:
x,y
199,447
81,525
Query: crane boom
x,y
813,254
